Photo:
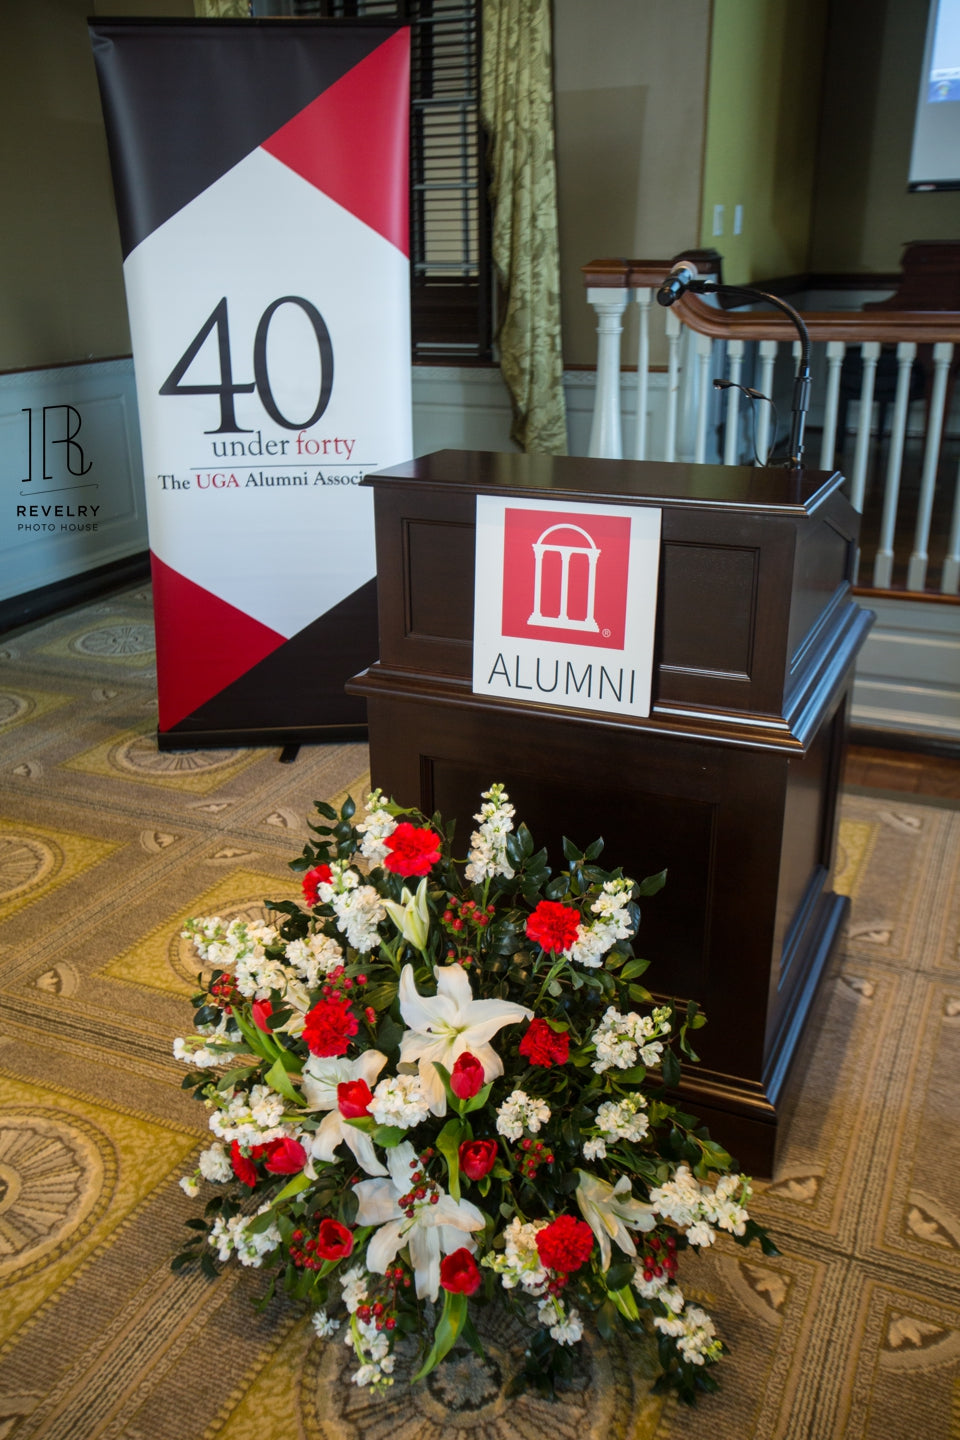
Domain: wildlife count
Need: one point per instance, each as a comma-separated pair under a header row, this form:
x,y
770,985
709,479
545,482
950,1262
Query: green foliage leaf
x,y
670,1069
278,1079
570,851
633,968
448,1143
652,884
293,1187
389,1135
557,888
450,1325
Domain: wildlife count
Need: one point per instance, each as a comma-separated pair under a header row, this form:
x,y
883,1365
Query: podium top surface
x,y
649,482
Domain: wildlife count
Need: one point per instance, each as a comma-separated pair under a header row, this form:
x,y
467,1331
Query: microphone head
x,y
677,282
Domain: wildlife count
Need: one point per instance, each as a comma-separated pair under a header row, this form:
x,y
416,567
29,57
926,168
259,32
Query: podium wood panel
x,y
730,783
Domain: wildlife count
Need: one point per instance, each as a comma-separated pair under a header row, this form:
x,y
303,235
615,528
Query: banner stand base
x,y
258,739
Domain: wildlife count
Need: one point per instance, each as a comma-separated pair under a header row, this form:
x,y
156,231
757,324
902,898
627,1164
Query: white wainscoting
x,y
908,674
71,474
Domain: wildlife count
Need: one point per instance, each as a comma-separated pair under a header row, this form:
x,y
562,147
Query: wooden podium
x,y
730,783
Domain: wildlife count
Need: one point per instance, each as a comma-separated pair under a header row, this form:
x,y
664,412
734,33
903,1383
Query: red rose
x,y
319,875
285,1156
460,1273
243,1166
353,1099
542,1045
334,1241
564,1244
412,851
466,1077
262,1009
553,926
477,1158
329,1027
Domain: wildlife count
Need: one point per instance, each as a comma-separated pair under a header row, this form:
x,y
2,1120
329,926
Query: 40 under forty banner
x,y
261,176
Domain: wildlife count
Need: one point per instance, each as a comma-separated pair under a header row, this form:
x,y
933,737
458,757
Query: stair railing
x,y
680,415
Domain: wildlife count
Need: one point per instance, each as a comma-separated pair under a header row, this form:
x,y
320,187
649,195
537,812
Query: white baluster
x,y
673,383
836,350
703,348
767,350
605,437
731,442
869,355
917,568
644,295
883,562
950,579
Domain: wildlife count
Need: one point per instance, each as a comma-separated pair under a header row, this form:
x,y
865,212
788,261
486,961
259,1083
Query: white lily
x,y
432,1230
321,1076
412,915
609,1209
446,1025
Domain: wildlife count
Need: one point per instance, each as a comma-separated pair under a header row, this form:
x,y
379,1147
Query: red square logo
x,y
565,576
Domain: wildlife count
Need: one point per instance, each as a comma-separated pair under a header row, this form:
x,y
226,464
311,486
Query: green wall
x,y
766,58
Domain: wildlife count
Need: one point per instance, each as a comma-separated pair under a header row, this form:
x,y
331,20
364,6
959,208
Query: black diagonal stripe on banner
x,y
185,101
297,691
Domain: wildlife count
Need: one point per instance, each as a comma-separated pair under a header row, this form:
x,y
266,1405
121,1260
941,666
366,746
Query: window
x,y
449,216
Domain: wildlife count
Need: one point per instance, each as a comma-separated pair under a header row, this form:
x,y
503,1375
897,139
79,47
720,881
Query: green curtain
x,y
222,9
517,111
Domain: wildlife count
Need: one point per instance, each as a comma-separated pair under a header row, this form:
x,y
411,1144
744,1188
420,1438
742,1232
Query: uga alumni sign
x,y
565,603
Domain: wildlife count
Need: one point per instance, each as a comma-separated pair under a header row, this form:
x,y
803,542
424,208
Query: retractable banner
x,y
261,177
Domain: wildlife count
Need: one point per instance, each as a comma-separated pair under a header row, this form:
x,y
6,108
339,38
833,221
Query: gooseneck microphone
x,y
684,277
677,283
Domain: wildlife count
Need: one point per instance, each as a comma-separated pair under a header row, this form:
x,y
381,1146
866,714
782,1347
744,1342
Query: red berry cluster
x,y
421,1186
535,1154
659,1257
460,915
383,1313
337,986
224,992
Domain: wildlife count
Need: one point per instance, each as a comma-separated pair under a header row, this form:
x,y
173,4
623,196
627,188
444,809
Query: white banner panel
x,y
267,280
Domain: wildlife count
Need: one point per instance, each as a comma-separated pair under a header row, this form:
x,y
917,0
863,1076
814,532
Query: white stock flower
x,y
487,856
313,957
449,1024
214,1164
359,910
564,1325
324,1324
399,1100
375,827
520,1112
609,1210
321,1076
519,1263
431,1231
624,1040
623,1119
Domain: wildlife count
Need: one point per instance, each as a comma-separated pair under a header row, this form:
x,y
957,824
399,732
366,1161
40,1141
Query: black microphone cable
x,y
752,394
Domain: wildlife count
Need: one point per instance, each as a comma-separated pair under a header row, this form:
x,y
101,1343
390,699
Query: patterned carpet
x,y
106,845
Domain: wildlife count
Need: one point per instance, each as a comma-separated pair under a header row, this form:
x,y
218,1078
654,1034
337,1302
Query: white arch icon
x,y
591,552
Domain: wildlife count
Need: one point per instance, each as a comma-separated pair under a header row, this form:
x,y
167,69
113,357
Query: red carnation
x,y
477,1158
460,1273
262,1010
334,1241
319,875
542,1045
564,1244
466,1077
329,1027
353,1099
243,1166
412,851
553,926
285,1156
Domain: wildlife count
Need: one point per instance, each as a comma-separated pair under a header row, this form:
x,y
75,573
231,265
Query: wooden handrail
x,y
925,327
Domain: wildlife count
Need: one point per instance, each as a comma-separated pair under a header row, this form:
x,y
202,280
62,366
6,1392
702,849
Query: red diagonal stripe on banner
x,y
203,644
352,141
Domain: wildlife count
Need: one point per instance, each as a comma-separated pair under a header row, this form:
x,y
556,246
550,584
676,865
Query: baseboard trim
x,y
910,740
21,611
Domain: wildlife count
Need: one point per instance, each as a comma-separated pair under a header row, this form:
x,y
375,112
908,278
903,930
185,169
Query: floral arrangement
x,y
438,1081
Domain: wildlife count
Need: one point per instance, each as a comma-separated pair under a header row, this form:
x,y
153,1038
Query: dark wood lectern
x,y
730,783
